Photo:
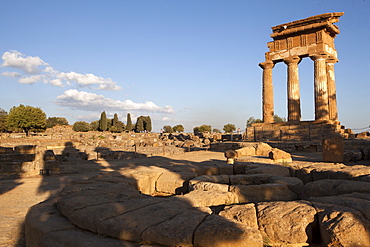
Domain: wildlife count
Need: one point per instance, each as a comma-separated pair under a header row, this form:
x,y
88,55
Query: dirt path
x,y
16,196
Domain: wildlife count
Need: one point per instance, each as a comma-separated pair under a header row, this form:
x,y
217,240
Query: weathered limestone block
x,y
206,186
286,223
240,167
294,184
6,150
82,195
353,155
344,220
332,148
243,213
263,149
145,177
221,179
174,183
41,220
10,167
131,225
263,193
200,198
178,231
215,231
223,168
246,151
332,187
25,149
279,155
250,179
277,170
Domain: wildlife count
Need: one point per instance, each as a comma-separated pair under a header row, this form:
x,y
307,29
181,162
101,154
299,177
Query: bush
x,y
81,126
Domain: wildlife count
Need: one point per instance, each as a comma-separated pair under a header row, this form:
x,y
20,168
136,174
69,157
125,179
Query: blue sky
x,y
180,62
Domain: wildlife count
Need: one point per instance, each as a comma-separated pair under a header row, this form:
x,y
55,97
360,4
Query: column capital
x,y
318,57
267,65
332,60
292,60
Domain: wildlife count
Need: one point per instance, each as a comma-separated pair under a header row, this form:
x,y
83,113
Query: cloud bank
x,y
34,69
81,100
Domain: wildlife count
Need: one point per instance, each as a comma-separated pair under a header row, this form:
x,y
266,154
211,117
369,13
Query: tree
x,y
229,128
278,119
103,121
120,126
81,126
27,118
203,128
94,125
216,130
115,119
147,124
252,120
3,120
167,129
54,121
139,126
129,122
178,128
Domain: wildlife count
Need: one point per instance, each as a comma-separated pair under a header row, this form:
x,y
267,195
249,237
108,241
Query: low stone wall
x,y
288,131
26,161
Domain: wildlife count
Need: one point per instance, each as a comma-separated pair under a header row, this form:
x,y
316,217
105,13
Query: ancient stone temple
x,y
311,38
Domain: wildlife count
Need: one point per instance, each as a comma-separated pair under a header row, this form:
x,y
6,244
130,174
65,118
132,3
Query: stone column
x,y
321,87
267,92
294,98
332,92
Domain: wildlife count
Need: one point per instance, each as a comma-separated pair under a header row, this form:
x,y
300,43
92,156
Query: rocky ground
x,y
18,195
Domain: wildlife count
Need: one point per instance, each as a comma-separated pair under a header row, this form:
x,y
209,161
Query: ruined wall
x,y
286,131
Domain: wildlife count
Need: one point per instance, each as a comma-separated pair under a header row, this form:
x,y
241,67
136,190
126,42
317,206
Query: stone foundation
x,y
293,131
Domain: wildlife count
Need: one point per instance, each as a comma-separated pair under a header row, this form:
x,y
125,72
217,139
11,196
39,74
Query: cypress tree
x,y
115,119
129,122
103,122
147,124
139,124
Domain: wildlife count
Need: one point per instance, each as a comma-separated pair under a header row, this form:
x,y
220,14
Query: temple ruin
x,y
312,37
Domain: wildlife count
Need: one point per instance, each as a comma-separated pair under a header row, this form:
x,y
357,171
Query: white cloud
x,y
56,82
93,102
29,65
41,71
11,74
31,79
89,79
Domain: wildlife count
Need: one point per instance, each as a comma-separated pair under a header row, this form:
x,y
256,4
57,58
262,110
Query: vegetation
x,y
128,122
167,129
203,128
143,123
115,119
252,120
103,126
278,119
148,124
178,128
81,126
26,118
229,128
216,130
3,120
139,126
94,125
54,121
